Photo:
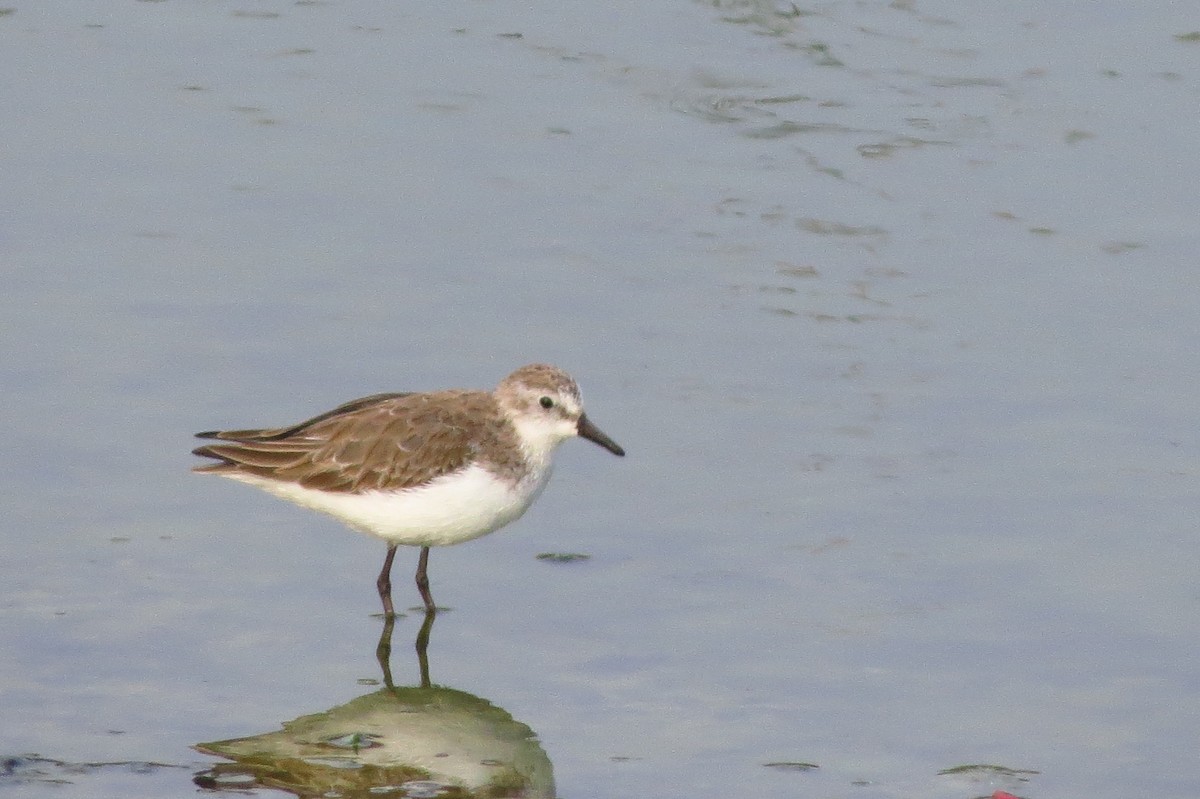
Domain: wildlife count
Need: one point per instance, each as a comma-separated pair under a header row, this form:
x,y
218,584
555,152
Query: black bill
x,y
589,431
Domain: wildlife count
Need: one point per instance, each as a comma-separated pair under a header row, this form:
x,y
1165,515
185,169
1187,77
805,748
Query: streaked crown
x,y
543,403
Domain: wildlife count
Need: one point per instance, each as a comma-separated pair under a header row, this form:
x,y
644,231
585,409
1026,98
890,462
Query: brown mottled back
x,y
381,442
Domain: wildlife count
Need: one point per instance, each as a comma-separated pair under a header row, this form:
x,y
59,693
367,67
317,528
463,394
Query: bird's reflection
x,y
383,652
422,740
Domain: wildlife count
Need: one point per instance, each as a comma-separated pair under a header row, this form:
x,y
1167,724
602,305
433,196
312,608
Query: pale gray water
x,y
893,306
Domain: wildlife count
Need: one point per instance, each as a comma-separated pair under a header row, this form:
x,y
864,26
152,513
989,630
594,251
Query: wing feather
x,y
385,441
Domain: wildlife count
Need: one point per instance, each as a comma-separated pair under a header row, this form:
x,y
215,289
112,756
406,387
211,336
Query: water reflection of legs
x,y
420,737
422,646
383,651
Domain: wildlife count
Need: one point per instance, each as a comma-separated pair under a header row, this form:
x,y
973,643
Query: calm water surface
x,y
892,304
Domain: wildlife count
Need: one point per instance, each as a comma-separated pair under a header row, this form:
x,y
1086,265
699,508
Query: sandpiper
x,y
422,469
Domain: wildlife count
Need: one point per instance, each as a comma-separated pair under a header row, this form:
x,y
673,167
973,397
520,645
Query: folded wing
x,y
381,442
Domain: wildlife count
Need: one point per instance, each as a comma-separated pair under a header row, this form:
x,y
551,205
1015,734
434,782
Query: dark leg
x,y
384,583
423,581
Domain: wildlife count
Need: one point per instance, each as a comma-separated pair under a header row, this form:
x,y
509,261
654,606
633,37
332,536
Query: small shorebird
x,y
422,469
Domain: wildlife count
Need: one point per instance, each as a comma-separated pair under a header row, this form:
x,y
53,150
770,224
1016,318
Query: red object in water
x,y
1004,795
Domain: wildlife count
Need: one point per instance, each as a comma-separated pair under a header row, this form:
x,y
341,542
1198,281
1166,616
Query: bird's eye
x,y
546,402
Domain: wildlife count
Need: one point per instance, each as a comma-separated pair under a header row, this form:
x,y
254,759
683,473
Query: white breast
x,y
452,509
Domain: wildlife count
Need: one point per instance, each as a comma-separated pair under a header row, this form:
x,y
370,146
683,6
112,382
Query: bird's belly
x,y
449,510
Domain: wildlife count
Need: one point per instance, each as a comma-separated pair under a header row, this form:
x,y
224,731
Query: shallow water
x,y
892,305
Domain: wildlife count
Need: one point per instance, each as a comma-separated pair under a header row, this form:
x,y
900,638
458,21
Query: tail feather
x,y
245,435
254,457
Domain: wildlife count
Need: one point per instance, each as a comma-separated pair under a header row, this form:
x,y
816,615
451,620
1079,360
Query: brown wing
x,y
385,441
274,434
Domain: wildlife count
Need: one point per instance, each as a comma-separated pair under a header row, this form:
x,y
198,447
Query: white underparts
x,y
452,509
